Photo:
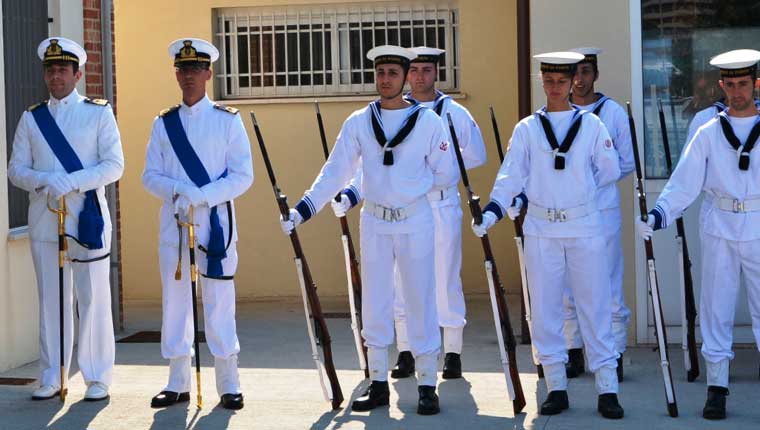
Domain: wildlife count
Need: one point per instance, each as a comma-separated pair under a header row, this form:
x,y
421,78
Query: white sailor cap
x,y
56,48
390,54
559,62
190,50
740,62
426,54
590,53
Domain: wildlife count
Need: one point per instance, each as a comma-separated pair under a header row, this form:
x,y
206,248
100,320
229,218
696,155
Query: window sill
x,y
18,233
320,99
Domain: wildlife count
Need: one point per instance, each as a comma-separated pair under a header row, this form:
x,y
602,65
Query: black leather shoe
x,y
428,403
452,366
555,403
232,401
609,407
575,366
404,365
715,406
620,368
377,395
168,398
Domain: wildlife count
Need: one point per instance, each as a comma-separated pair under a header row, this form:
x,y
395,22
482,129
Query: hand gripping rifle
x,y
688,307
525,318
353,275
190,225
60,213
504,333
312,307
654,289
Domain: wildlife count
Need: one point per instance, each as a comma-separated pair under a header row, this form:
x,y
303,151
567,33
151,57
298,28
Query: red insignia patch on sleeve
x,y
608,144
443,146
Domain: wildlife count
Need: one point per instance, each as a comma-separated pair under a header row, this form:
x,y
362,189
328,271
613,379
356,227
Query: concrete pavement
x,y
282,390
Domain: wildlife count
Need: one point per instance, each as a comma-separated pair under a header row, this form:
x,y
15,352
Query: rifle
x,y
311,303
519,241
504,332
688,307
654,290
190,224
353,275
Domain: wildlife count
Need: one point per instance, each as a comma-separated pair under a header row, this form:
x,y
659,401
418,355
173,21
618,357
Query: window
x,y
321,50
24,25
679,39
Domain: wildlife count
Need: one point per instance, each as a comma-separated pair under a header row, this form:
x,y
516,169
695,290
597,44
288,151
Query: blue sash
x,y
90,219
216,250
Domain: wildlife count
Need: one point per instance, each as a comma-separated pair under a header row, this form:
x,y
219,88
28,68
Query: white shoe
x,y
45,392
96,391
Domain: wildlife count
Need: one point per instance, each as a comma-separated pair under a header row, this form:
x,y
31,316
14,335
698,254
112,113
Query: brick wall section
x,y
94,88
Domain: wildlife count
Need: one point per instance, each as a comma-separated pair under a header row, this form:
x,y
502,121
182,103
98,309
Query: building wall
x,y
18,294
605,25
147,86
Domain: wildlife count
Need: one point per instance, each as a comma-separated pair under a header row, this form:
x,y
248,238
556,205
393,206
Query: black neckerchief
x,y
406,128
560,149
742,150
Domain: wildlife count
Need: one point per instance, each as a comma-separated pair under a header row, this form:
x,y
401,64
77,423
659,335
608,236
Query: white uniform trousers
x,y
580,264
412,254
218,298
611,222
96,347
722,264
448,281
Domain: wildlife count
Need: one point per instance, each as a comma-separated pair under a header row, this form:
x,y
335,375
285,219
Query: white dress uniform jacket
x,y
615,119
447,215
91,131
422,160
568,253
729,236
219,138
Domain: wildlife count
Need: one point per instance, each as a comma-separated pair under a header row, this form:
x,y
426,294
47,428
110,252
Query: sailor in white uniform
x,y
214,168
447,215
85,156
615,119
404,153
719,161
559,157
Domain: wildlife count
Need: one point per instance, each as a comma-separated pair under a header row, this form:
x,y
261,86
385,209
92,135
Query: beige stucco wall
x,y
18,293
146,85
606,25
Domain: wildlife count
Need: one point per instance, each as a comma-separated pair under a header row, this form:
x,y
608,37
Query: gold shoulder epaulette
x,y
227,109
99,102
35,106
168,110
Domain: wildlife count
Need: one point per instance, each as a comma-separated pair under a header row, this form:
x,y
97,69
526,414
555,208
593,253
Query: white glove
x,y
193,193
489,219
59,184
514,211
342,207
294,218
645,229
181,205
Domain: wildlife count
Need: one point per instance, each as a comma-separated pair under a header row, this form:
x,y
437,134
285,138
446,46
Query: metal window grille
x,y
321,50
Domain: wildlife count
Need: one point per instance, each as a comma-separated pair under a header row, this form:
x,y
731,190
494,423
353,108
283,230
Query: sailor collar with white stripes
x,y
438,102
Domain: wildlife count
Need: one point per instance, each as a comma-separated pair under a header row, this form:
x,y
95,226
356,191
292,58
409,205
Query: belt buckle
x,y
737,206
555,215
